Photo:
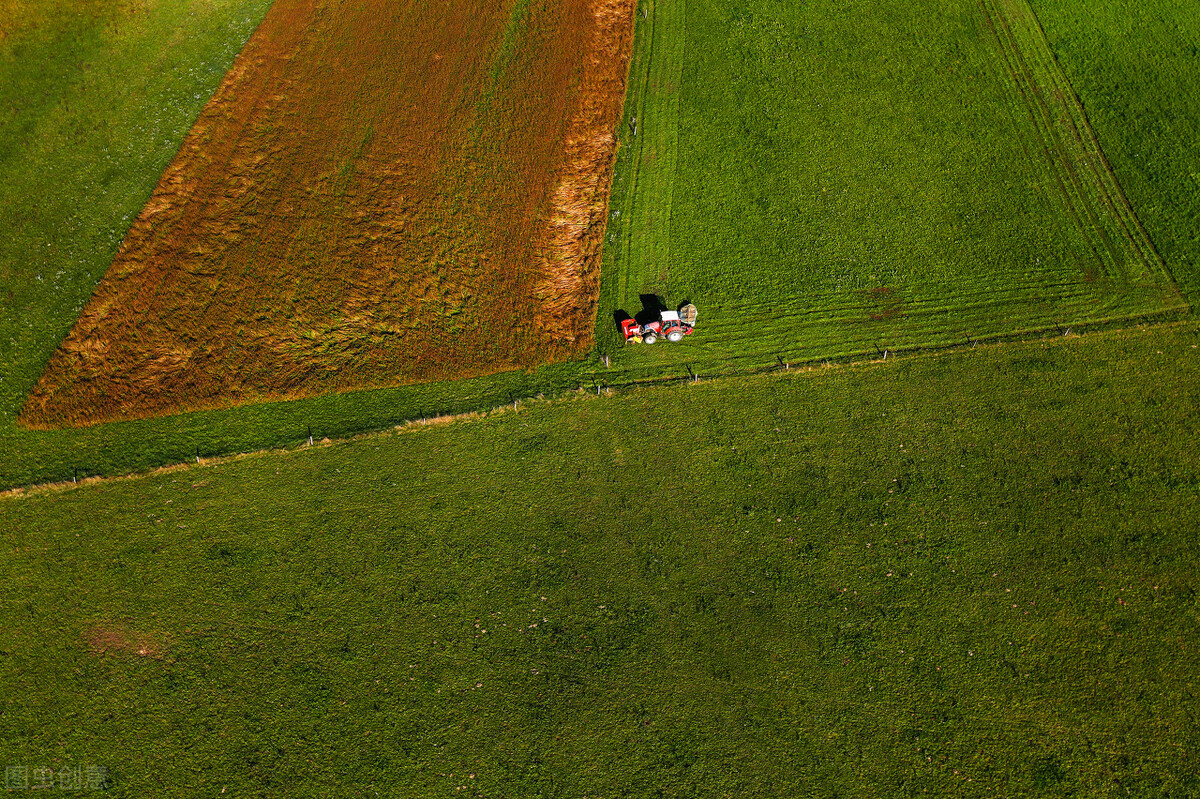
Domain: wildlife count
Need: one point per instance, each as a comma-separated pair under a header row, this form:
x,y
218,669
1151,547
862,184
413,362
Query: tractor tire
x,y
675,336
649,338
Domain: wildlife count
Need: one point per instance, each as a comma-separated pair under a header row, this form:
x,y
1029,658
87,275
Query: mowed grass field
x,y
378,193
969,574
831,181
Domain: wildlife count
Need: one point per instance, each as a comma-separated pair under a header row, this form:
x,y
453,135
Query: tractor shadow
x,y
652,308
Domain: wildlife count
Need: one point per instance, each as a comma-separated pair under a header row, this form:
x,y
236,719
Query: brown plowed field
x,y
380,192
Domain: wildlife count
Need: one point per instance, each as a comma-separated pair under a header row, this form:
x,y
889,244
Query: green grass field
x,y
828,181
968,574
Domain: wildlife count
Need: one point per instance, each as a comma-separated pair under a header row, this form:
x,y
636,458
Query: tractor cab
x,y
672,325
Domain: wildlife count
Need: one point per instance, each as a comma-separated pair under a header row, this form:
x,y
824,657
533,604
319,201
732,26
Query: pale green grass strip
x,y
658,67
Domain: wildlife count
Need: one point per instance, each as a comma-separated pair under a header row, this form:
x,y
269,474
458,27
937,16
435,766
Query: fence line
x,y
607,385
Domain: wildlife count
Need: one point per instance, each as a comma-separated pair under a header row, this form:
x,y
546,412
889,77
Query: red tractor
x,y
673,325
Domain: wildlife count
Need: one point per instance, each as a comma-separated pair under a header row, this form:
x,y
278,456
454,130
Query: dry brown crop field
x,y
380,192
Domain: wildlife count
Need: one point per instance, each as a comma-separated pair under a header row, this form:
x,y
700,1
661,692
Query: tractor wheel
x,y
675,336
649,338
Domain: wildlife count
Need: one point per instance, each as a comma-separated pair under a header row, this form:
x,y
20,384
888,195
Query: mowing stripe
x,y
653,142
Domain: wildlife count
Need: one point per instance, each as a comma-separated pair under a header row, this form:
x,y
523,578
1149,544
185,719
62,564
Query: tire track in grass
x,y
1112,193
1089,189
800,333
843,327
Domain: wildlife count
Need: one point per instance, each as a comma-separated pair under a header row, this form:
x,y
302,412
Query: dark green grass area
x,y
825,179
970,574
1136,66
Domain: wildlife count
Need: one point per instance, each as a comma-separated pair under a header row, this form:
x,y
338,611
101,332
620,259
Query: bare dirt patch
x,y
376,194
108,639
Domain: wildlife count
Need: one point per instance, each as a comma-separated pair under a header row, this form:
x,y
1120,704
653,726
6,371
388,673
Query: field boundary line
x,y
603,388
